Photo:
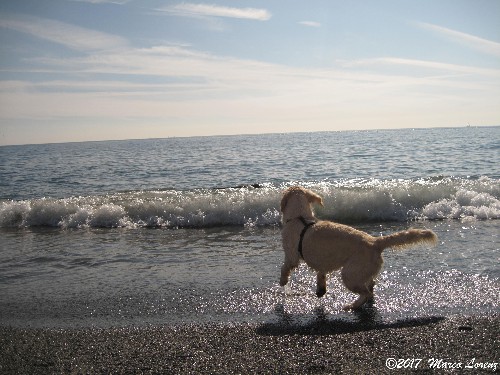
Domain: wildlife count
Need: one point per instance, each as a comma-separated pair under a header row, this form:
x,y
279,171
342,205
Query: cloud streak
x,y
310,23
117,2
206,10
70,36
426,65
479,44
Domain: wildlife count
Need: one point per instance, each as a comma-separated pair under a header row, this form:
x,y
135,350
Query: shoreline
x,y
324,346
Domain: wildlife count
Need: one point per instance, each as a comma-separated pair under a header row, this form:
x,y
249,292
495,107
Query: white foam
x,y
344,200
464,204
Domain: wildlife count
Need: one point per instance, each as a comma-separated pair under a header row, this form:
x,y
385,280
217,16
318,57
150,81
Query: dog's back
x,y
327,245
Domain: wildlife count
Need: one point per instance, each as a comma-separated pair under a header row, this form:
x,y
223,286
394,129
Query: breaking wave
x,y
354,200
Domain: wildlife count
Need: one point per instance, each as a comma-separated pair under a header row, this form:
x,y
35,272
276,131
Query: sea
x,y
187,230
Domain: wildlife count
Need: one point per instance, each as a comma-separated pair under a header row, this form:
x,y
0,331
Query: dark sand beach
x,y
323,346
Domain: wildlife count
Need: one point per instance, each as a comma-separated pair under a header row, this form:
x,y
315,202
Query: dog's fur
x,y
329,246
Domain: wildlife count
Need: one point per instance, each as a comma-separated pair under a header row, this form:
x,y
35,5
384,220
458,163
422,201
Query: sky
x,y
81,70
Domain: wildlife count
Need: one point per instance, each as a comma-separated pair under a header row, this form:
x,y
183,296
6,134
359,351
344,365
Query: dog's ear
x,y
288,193
314,198
284,201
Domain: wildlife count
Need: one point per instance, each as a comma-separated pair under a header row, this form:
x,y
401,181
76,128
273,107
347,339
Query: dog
x,y
326,246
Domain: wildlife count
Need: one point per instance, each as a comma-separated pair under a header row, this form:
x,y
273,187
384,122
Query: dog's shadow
x,y
365,319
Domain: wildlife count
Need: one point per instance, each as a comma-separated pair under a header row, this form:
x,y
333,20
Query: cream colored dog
x,y
326,246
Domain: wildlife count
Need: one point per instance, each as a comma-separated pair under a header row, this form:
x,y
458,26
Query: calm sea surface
x,y
182,230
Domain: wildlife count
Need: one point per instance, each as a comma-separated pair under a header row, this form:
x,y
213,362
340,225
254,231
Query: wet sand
x,y
323,346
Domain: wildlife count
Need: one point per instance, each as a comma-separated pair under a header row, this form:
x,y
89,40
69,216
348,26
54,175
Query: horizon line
x,y
250,134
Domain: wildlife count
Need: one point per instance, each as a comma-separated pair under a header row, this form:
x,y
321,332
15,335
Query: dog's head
x,y
297,202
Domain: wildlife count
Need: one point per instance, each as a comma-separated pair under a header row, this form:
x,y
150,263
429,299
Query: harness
x,y
307,225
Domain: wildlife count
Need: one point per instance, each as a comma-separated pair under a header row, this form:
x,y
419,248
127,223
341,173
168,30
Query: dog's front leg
x,y
286,269
291,260
321,284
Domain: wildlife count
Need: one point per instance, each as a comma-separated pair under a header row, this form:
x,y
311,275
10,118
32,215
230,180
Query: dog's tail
x,y
406,238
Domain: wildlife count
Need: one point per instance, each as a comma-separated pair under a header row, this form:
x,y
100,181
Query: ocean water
x,y
182,230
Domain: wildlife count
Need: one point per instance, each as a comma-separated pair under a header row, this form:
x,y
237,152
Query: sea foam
x,y
357,200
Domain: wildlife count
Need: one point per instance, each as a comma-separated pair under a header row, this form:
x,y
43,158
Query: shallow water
x,y
156,276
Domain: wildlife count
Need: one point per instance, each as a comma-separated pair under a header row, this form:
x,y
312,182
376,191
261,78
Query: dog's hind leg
x,y
364,295
356,283
321,284
362,299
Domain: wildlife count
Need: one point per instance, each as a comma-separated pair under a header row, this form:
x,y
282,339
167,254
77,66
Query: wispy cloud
x,y
206,10
471,41
187,78
119,2
310,23
71,36
425,64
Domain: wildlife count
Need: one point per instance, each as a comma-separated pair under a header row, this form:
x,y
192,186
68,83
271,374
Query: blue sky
x,y
76,70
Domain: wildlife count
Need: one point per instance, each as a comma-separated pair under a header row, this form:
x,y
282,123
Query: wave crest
x,y
258,205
